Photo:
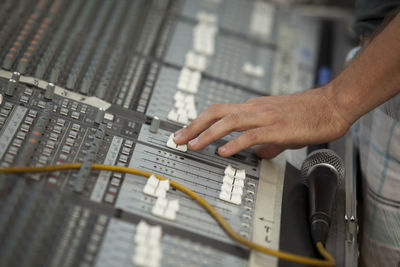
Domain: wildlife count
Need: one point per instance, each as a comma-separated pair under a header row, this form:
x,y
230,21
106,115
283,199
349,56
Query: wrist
x,y
344,101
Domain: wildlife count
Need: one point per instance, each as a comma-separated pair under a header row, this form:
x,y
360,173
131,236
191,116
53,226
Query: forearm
x,y
371,78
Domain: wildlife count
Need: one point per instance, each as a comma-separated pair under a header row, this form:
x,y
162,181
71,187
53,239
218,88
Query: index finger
x,y
212,114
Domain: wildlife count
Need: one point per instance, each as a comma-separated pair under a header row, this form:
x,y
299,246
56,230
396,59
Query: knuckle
x,y
189,128
207,134
251,137
257,136
232,119
188,131
278,135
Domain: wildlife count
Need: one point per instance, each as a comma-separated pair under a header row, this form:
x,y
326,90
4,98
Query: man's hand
x,y
270,124
315,116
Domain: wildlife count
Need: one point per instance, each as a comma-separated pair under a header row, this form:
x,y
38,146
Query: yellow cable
x,y
329,260
323,252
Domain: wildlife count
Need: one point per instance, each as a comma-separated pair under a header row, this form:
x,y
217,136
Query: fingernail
x,y
178,132
222,149
178,137
194,142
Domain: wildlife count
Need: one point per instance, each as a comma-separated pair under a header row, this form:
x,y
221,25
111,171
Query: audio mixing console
x,y
108,82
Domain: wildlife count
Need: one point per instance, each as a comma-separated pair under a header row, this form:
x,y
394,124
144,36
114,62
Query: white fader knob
x,y
173,145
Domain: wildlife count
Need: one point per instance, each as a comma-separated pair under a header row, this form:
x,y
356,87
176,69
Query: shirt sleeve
x,y
369,14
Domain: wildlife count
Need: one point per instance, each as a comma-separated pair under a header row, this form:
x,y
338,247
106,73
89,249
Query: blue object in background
x,y
324,75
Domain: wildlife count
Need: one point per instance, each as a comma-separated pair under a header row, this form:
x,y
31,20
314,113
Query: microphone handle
x,y
322,189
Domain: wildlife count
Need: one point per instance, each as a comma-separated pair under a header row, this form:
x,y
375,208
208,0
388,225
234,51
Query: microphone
x,y
323,169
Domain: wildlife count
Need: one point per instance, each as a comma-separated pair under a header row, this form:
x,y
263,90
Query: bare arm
x,y
276,123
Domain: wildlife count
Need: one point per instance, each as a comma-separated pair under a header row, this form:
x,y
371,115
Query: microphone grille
x,y
326,156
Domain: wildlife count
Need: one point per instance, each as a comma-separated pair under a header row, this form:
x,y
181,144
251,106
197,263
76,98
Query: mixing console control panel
x,y
109,82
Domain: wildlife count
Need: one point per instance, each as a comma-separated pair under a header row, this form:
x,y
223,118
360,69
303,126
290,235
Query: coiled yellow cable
x,y
329,260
